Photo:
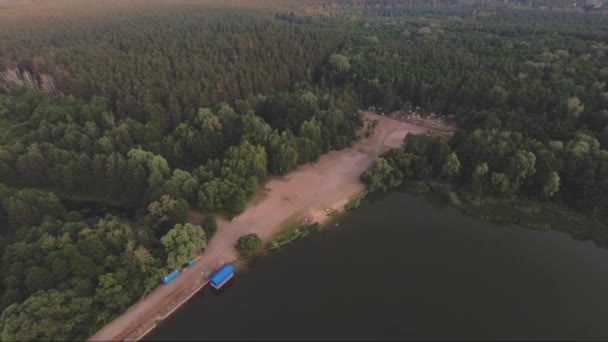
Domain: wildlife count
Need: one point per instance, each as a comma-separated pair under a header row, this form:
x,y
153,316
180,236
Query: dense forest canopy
x,y
439,7
114,127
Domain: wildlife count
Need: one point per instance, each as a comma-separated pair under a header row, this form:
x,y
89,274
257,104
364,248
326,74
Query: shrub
x,y
248,245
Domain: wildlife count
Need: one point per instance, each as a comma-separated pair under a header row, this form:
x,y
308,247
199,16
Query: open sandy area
x,y
308,191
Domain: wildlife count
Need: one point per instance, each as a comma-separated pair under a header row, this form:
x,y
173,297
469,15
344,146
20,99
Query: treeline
x,y
79,148
501,164
398,7
514,23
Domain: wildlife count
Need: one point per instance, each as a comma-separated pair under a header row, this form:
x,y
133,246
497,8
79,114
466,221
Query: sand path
x,y
328,183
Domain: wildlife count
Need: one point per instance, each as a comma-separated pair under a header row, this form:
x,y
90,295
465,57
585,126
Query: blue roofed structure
x,y
220,276
169,276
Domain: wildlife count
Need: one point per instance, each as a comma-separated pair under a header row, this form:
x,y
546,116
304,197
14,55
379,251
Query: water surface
x,y
406,267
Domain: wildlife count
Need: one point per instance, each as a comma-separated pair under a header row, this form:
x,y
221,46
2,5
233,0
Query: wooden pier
x,y
153,321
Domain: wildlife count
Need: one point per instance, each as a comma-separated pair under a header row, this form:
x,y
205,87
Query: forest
x,y
114,128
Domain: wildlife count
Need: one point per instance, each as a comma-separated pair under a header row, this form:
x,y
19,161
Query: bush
x,y
353,204
291,233
356,201
248,245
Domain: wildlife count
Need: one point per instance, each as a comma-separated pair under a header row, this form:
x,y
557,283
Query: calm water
x,y
405,267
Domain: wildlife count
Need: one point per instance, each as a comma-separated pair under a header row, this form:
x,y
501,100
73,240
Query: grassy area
x,y
528,213
333,213
292,232
355,202
536,215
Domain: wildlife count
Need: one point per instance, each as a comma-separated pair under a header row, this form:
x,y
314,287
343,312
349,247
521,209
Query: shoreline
x,y
527,213
157,320
315,221
330,182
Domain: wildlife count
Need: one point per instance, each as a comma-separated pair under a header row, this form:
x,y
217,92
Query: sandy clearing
x,y
309,190
393,140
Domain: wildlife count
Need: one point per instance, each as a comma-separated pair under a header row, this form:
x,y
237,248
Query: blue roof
x,y
221,274
170,276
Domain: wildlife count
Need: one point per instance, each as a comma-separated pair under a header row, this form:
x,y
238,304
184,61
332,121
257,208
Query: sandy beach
x,y
306,192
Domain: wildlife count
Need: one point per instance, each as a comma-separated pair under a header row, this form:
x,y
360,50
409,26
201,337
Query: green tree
x,y
181,184
501,185
50,315
168,211
451,168
339,63
28,207
309,141
255,129
521,166
222,194
248,245
159,171
574,106
112,293
245,160
551,186
478,179
139,259
382,176
182,243
282,152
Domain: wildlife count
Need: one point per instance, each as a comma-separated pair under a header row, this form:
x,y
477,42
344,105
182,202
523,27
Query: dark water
x,y
404,267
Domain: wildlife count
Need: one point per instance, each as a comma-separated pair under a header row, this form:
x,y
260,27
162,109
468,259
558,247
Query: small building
x,y
221,276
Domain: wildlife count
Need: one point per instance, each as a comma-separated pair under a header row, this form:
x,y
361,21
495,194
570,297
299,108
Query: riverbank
x,y
316,221
530,214
330,182
527,213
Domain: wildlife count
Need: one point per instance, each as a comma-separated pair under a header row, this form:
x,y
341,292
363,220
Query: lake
x,y
408,267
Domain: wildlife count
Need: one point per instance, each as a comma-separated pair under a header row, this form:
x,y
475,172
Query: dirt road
x,y
329,182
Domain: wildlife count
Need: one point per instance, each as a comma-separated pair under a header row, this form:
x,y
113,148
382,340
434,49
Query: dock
x,y
141,331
